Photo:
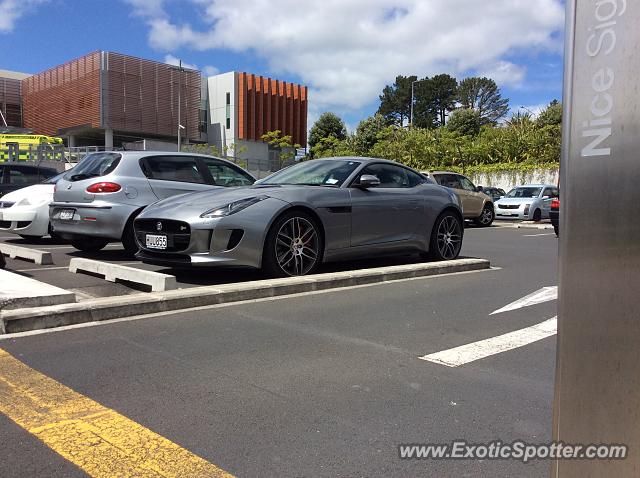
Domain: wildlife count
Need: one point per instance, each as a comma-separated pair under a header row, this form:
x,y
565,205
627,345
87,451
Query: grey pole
x,y
597,390
411,105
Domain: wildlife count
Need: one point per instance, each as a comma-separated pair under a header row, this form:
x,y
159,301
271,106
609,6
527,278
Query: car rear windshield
x,y
94,165
532,192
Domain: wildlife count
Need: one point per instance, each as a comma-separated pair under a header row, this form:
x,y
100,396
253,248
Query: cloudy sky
x,y
344,50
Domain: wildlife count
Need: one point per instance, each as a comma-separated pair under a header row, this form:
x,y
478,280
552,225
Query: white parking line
x,y
536,235
545,294
484,348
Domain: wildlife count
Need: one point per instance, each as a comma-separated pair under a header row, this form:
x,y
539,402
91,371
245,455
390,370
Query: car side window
x,y
226,175
448,181
23,176
466,184
555,193
173,168
390,176
548,192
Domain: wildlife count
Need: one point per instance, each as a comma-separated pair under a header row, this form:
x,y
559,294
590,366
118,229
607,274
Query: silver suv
x,y
96,202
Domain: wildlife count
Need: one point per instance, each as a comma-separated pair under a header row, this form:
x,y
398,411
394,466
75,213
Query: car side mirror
x,y
368,181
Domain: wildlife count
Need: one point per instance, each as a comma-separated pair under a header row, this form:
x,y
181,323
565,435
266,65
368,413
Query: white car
x,y
26,211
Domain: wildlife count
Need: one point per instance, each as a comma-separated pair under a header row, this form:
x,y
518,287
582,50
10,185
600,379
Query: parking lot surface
x,y
318,384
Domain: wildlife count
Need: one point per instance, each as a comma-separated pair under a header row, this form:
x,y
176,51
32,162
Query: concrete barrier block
x,y
157,281
25,253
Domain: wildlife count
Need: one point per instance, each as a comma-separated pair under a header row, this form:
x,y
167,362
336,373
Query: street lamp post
x,y
180,127
412,99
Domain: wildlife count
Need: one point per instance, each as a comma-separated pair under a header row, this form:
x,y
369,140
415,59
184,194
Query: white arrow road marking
x,y
545,294
484,348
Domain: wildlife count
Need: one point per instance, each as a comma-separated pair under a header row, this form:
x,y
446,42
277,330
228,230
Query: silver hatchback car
x,y
96,202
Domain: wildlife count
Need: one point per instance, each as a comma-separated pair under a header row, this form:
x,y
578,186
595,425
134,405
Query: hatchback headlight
x,y
232,207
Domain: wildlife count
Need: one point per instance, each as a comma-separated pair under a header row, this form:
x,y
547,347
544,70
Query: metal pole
x,y
179,103
597,380
411,105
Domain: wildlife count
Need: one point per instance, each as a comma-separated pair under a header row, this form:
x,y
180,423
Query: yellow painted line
x,y
95,438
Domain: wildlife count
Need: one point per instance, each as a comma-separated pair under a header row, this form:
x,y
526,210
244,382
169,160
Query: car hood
x,y
32,192
201,201
512,201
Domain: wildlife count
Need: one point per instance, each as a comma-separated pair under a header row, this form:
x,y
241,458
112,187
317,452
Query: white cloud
x,y
347,50
12,10
505,73
210,70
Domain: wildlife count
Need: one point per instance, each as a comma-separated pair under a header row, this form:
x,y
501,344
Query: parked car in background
x,y
476,205
494,193
554,215
312,212
26,211
528,202
18,175
97,201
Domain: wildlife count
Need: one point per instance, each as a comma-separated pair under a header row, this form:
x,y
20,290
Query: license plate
x,y
66,214
156,242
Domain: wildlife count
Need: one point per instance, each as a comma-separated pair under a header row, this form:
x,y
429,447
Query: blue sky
x,y
344,50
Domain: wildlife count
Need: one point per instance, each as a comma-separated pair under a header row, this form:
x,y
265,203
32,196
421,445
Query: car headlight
x,y
232,207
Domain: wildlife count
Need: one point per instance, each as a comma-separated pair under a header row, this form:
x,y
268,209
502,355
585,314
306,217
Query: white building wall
x,y
218,87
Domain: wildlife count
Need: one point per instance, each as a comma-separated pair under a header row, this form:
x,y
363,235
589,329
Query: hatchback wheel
x,y
486,218
293,246
446,237
537,215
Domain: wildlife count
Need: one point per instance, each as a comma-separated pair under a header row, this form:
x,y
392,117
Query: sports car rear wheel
x,y
293,246
446,237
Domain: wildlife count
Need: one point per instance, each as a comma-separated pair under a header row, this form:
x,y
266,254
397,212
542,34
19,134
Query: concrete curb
x,y
42,258
147,303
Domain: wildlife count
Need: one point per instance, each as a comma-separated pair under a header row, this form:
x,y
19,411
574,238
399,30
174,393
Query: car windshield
x,y
524,192
320,172
93,165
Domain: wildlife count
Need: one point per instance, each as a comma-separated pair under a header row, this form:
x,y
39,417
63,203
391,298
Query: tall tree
x,y
465,121
483,95
395,100
434,99
368,133
328,125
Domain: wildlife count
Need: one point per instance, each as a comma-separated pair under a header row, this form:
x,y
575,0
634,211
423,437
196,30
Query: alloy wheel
x,y
297,246
486,217
449,237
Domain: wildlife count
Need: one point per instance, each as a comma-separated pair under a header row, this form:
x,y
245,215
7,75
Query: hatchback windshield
x,y
524,193
94,165
321,172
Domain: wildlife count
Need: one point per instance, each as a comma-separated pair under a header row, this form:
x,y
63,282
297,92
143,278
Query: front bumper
x,y
24,220
95,219
231,241
522,212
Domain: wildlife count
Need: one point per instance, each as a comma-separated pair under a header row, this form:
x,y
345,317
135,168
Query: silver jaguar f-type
x,y
313,212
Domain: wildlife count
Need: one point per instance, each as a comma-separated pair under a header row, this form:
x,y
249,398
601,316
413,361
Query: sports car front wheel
x,y
293,246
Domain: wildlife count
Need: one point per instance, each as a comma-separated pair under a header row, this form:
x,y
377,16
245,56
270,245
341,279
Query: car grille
x,y
6,204
5,224
508,206
178,232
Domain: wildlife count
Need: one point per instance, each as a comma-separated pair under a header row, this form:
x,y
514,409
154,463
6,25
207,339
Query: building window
x,y
228,98
228,110
228,123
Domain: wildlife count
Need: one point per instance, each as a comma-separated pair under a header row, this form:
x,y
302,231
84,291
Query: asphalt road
x,y
321,384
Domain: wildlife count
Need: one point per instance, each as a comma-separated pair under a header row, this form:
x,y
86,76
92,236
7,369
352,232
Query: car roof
x,y
441,172
364,159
